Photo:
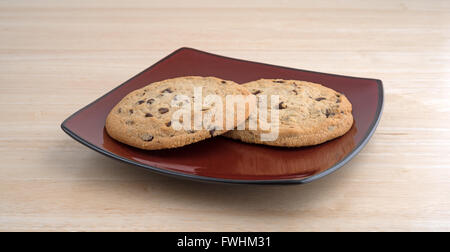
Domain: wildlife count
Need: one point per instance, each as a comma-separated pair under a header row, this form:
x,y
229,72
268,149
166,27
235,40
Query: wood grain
x,y
57,56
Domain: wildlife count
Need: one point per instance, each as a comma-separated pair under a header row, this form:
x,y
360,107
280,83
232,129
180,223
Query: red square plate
x,y
223,160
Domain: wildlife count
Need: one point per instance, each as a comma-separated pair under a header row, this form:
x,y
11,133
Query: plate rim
x,y
309,179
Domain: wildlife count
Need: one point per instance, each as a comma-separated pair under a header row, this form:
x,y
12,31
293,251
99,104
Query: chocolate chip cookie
x,y
309,113
143,118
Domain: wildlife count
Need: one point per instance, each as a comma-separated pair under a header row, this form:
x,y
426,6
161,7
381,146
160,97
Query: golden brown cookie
x,y
143,118
309,113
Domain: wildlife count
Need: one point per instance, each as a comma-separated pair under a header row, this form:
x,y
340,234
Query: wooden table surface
x,y
58,56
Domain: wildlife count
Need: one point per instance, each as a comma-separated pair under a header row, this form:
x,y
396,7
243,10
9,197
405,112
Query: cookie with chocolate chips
x,y
143,118
309,113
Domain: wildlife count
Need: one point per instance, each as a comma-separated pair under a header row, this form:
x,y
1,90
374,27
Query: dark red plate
x,y
223,160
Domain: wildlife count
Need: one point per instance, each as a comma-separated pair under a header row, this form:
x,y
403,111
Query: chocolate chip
x,y
147,137
129,122
257,92
131,111
278,81
320,99
211,132
163,110
282,105
338,101
223,82
150,101
167,90
328,113
148,115
295,92
338,95
168,124
140,102
191,131
119,110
